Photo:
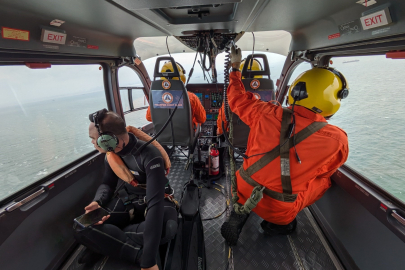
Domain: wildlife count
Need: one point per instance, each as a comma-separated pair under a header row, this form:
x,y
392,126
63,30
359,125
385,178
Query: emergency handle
x,y
18,204
399,218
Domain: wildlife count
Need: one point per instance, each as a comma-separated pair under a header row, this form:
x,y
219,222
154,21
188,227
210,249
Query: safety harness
x,y
282,150
122,171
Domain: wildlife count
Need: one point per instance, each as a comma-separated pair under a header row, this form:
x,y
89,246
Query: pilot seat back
x,y
164,96
262,88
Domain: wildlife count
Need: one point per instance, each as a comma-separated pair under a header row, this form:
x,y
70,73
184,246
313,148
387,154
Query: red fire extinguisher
x,y
214,157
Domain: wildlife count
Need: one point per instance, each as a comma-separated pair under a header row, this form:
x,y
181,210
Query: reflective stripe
x,y
285,151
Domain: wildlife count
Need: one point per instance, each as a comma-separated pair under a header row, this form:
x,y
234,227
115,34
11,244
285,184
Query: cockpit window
x,y
276,62
44,120
372,116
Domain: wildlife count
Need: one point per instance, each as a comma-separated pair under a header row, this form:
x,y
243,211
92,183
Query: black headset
x,y
106,140
184,71
344,92
299,92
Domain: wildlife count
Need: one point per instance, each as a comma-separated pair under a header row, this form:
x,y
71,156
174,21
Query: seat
x,y
262,88
164,96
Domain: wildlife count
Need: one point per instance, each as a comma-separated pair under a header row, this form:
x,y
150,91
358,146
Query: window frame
x,y
20,60
322,58
375,187
142,74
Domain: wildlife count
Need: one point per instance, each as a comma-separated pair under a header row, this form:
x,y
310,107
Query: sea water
x,y
41,137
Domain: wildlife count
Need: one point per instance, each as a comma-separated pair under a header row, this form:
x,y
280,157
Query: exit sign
x,y
50,36
376,19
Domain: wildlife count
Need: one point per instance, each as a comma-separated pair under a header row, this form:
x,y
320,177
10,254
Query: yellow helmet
x,y
320,90
255,66
168,67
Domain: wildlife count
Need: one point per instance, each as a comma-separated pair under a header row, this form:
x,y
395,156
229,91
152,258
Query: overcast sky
x,y
20,85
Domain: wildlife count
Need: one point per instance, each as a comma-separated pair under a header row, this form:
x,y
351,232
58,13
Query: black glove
x,y
232,228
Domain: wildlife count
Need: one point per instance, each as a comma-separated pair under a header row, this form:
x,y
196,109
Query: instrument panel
x,y
210,96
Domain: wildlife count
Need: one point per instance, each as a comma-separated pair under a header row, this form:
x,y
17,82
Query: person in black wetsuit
x,y
154,218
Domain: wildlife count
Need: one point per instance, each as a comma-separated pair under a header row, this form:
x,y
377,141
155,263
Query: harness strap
x,y
271,193
266,159
275,152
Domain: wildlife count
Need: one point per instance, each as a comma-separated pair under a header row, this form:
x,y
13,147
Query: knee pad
x,y
170,231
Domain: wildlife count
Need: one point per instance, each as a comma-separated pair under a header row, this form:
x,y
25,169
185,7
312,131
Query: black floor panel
x,y
302,250
258,251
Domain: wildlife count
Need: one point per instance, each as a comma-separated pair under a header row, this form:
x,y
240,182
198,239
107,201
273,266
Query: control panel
x,y
210,96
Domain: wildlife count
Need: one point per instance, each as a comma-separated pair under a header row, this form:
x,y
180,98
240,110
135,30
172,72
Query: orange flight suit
x,y
321,154
221,117
197,110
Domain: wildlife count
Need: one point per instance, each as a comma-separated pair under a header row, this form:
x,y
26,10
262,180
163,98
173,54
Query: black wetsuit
x,y
118,236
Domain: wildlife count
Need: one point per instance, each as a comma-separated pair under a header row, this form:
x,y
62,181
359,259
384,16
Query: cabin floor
x,y
306,248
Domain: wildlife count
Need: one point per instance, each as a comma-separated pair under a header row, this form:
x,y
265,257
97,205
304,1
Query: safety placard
x,y
163,99
17,34
376,19
349,28
263,95
75,41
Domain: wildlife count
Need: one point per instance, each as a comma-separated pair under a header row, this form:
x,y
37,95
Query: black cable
x,y
253,51
168,46
192,69
161,130
150,141
205,60
226,82
205,77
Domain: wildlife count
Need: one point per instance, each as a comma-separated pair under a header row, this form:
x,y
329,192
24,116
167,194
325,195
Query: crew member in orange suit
x,y
221,113
302,175
197,109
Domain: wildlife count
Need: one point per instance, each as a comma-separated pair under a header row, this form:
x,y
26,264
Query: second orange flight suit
x,y
321,154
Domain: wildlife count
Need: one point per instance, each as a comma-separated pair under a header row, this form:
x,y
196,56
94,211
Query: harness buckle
x,y
142,201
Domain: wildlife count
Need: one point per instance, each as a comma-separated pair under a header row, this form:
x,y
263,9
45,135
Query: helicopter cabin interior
x,y
61,60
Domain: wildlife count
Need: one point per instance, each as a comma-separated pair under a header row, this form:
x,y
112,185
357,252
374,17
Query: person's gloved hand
x,y
236,57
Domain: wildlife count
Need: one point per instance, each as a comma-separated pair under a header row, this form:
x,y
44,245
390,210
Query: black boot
x,y
274,229
232,228
89,257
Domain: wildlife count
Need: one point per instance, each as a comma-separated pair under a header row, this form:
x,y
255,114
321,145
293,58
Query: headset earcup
x,y
342,94
107,142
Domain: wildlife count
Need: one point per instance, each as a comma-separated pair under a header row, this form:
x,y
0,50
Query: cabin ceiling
x,y
113,25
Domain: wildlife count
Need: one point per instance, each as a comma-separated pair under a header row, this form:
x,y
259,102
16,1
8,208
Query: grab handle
x,y
399,218
18,204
